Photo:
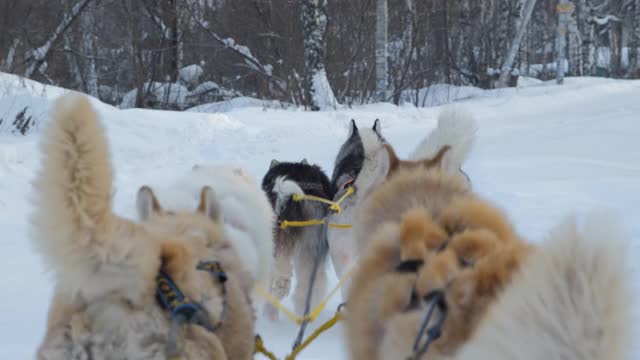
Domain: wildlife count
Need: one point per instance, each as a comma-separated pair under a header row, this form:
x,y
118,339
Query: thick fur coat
x,y
104,266
297,248
246,212
365,159
426,233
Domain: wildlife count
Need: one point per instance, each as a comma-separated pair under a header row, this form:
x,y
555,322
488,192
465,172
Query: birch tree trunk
x,y
634,42
575,52
38,56
87,23
72,63
564,9
586,30
381,50
615,39
7,63
175,34
405,53
318,92
526,9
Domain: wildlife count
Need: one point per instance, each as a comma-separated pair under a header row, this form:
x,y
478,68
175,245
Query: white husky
x,y
246,212
105,266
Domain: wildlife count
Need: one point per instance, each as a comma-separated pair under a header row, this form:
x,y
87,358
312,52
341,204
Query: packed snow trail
x,y
542,152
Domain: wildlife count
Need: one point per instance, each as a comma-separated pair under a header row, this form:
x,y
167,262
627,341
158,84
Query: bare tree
x,y
521,23
564,9
88,48
38,56
634,42
255,47
318,92
7,63
381,50
615,38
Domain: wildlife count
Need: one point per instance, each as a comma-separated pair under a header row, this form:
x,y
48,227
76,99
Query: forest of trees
x,y
180,53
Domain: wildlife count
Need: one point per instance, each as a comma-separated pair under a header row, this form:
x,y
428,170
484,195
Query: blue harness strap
x,y
182,312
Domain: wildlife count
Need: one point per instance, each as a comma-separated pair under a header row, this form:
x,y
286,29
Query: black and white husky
x,y
359,164
297,248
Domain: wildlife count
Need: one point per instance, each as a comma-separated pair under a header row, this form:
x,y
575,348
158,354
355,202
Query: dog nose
x,y
222,277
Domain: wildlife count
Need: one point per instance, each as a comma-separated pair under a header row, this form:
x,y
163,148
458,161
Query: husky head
x,y
192,237
284,179
357,150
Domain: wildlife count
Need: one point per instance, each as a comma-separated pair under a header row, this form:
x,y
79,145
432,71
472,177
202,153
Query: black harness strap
x,y
433,332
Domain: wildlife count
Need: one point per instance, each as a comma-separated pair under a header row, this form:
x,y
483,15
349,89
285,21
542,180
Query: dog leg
x,y
304,261
280,277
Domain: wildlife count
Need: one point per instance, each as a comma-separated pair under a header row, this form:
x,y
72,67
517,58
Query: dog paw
x,y
281,287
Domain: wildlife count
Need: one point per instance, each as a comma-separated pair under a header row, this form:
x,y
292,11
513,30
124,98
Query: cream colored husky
x,y
427,235
105,267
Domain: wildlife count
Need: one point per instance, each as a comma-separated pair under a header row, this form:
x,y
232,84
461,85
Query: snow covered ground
x,y
543,151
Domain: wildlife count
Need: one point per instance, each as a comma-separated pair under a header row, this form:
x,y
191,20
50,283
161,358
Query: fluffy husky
x,y
105,266
358,165
246,212
302,246
428,236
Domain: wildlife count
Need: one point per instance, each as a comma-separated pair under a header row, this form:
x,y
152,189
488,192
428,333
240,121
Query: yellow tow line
x,y
333,206
314,313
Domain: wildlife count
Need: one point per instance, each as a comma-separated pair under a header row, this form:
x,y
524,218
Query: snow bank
x,y
171,95
439,94
190,75
27,101
242,102
322,94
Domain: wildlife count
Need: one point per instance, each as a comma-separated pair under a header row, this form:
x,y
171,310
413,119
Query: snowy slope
x,y
542,152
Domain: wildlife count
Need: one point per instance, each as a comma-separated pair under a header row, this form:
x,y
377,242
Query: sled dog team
x,y
439,272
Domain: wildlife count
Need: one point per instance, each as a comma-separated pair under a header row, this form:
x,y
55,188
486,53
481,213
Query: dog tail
x,y
72,190
285,189
569,301
456,128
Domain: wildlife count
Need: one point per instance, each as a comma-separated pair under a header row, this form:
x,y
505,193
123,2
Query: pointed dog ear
x,y
438,159
377,128
353,128
209,205
274,162
394,162
147,203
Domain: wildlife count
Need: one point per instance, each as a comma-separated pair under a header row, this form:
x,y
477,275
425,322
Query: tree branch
x,y
39,55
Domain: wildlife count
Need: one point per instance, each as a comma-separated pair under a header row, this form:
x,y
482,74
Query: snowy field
x,y
543,151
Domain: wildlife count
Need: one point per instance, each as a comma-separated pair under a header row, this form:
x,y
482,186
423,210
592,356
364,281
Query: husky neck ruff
x,y
170,298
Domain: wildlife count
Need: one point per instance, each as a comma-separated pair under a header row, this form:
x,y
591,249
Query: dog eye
x,y
464,262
